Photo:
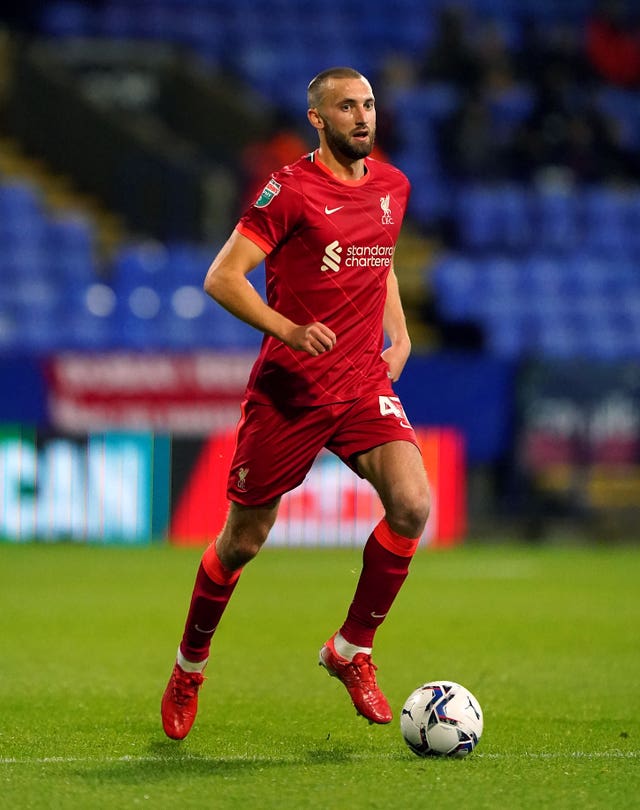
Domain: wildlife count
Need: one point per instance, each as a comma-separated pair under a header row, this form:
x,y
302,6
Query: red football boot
x,y
359,678
180,702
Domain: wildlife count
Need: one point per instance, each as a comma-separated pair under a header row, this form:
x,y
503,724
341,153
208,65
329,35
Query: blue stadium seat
x,y
512,332
9,329
504,339
509,108
623,106
427,103
118,20
37,297
418,156
494,217
66,18
71,230
632,222
23,231
19,200
92,317
200,30
476,217
556,219
498,275
605,212
513,206
212,328
188,263
602,341
141,263
28,262
558,341
71,240
430,199
507,324
454,281
232,334
44,333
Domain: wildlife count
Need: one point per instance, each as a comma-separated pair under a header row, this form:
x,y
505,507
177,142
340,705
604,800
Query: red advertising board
x,y
191,394
332,507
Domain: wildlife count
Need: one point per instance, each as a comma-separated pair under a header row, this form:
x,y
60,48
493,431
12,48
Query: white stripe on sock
x,y
190,666
347,650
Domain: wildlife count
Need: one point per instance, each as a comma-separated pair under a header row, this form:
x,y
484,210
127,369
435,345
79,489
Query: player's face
x,y
348,113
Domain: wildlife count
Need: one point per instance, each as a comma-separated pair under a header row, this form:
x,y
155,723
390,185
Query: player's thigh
x,y
274,451
396,471
377,440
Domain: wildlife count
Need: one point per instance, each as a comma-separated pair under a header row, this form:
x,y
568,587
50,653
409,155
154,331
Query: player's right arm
x,y
227,283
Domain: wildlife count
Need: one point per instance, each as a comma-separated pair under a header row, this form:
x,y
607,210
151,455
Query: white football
x,y
441,718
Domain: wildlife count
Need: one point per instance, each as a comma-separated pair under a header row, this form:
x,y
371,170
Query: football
x,y
441,718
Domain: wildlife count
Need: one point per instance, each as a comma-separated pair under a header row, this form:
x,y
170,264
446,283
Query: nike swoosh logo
x,y
375,615
206,632
328,210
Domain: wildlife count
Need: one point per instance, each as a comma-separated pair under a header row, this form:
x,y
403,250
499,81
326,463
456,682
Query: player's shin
x,y
386,558
212,591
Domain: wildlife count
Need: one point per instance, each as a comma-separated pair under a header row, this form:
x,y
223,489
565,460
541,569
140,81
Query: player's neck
x,y
343,169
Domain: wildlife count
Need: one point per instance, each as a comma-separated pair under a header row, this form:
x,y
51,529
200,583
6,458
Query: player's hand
x,y
312,338
396,357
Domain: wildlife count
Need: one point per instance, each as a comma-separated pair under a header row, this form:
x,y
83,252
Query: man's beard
x,y
340,144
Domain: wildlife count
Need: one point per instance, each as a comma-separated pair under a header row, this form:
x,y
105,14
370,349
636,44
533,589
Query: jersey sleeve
x,y
275,213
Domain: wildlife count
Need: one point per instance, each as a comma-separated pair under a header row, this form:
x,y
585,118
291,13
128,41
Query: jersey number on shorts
x,y
392,405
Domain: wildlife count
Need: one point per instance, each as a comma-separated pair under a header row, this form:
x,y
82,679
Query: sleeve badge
x,y
271,190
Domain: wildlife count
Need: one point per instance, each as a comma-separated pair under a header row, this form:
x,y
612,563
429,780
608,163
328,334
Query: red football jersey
x,y
329,246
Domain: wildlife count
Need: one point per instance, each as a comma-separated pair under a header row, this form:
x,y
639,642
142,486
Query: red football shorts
x,y
275,447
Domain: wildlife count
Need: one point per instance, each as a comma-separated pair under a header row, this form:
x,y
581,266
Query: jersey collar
x,y
313,157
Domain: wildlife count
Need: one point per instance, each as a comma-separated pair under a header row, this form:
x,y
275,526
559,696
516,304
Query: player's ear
x,y
315,118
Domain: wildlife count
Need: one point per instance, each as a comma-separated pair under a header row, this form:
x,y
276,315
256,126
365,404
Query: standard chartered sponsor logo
x,y
332,257
356,256
368,256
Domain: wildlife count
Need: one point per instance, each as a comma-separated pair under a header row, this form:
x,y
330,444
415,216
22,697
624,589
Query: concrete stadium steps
x,y
60,194
413,253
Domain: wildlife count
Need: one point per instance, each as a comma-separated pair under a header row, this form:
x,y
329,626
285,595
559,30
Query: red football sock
x,y
211,593
383,573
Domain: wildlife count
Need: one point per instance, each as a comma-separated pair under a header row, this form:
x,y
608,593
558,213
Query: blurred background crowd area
x,y
132,136
517,122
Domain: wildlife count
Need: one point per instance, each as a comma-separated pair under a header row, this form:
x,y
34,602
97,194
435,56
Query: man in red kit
x,y
326,227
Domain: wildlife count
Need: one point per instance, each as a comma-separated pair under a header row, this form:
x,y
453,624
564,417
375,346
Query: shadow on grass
x,y
166,760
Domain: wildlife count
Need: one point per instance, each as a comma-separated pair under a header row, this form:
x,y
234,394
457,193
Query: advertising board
x,y
102,487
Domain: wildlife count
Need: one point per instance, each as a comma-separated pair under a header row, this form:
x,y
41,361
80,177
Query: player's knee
x,y
238,549
244,534
409,514
238,546
244,553
409,523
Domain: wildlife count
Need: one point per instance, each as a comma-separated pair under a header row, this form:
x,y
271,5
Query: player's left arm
x,y
395,327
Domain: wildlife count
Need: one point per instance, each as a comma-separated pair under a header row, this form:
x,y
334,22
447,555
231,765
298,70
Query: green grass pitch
x,y
548,639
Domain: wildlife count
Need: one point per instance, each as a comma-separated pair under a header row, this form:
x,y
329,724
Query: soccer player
x,y
326,227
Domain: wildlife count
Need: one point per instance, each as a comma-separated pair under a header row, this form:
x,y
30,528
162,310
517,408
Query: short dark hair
x,y
315,90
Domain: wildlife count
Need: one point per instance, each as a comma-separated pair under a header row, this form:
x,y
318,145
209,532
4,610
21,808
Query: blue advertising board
x,y
473,393
105,487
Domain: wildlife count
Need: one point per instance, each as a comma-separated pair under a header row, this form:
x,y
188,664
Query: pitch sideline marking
x,y
614,754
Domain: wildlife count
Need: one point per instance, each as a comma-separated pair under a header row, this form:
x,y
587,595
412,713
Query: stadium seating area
x,y
545,305
250,37
551,273
545,269
54,296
